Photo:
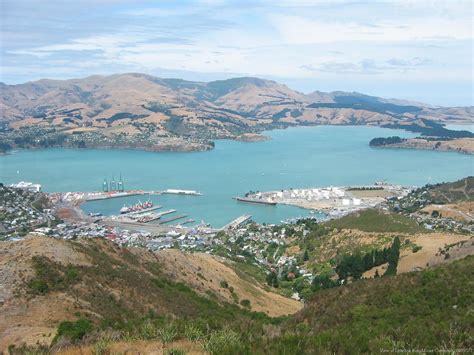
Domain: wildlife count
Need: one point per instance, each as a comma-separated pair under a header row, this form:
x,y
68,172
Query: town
x,y
27,210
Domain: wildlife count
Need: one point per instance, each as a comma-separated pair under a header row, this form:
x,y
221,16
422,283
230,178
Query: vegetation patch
x,y
51,276
374,220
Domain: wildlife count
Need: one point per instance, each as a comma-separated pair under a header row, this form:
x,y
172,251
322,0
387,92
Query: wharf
x,y
236,222
185,222
95,196
172,219
137,213
159,215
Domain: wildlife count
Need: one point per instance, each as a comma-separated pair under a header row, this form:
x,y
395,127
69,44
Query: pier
x,y
236,222
172,219
184,222
95,196
137,213
156,216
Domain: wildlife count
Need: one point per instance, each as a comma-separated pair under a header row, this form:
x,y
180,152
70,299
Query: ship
x,y
181,192
137,207
251,200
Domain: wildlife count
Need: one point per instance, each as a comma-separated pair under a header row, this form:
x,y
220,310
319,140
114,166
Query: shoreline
x,y
333,201
250,137
461,145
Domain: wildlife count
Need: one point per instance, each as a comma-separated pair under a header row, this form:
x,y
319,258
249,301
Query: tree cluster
x,y
353,266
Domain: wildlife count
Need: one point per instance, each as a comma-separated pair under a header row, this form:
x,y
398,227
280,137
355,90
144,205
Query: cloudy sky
x,y
421,50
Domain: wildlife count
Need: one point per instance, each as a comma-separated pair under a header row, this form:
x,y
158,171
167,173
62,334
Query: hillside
x,y
425,310
47,281
435,203
418,310
142,111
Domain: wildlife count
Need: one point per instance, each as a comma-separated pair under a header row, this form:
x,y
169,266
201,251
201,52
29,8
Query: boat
x,y
140,206
182,192
251,200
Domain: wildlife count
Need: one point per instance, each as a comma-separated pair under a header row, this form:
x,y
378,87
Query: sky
x,y
417,50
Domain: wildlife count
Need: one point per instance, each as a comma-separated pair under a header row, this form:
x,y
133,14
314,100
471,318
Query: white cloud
x,y
301,30
309,40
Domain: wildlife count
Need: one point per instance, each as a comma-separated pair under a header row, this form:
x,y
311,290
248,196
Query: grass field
x,y
373,220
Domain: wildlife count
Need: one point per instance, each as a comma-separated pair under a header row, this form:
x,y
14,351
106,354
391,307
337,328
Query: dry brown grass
x,y
137,348
205,273
462,211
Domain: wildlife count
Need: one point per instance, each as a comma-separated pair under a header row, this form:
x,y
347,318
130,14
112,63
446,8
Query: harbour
x,y
340,157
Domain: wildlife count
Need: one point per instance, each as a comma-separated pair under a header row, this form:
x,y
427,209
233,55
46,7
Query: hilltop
x,y
146,112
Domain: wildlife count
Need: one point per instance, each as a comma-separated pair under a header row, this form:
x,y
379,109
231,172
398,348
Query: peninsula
x,y
434,136
138,111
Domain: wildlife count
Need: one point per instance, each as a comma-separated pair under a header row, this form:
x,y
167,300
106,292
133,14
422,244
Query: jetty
x,y
95,196
156,216
185,222
137,213
236,222
172,219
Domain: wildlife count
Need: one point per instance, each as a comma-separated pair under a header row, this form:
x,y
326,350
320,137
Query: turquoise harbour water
x,y
295,157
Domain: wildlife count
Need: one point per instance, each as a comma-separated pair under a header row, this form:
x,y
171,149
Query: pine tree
x,y
393,256
306,255
272,279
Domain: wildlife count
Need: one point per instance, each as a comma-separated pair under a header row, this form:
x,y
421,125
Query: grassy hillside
x,y
431,310
374,220
94,286
141,111
458,191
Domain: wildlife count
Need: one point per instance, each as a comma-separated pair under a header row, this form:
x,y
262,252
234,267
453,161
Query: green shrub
x,y
193,333
168,333
173,351
50,276
28,350
223,342
101,347
148,330
74,331
224,284
245,303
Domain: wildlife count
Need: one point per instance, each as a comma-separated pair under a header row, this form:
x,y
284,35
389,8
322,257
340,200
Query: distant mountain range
x,y
135,103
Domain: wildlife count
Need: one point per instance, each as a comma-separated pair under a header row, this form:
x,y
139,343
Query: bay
x,y
295,157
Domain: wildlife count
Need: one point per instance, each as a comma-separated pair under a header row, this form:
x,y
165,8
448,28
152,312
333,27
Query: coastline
x,y
462,145
181,144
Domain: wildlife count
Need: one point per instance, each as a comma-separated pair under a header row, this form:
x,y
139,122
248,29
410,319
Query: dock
x,y
183,223
137,213
172,219
159,215
95,196
236,222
